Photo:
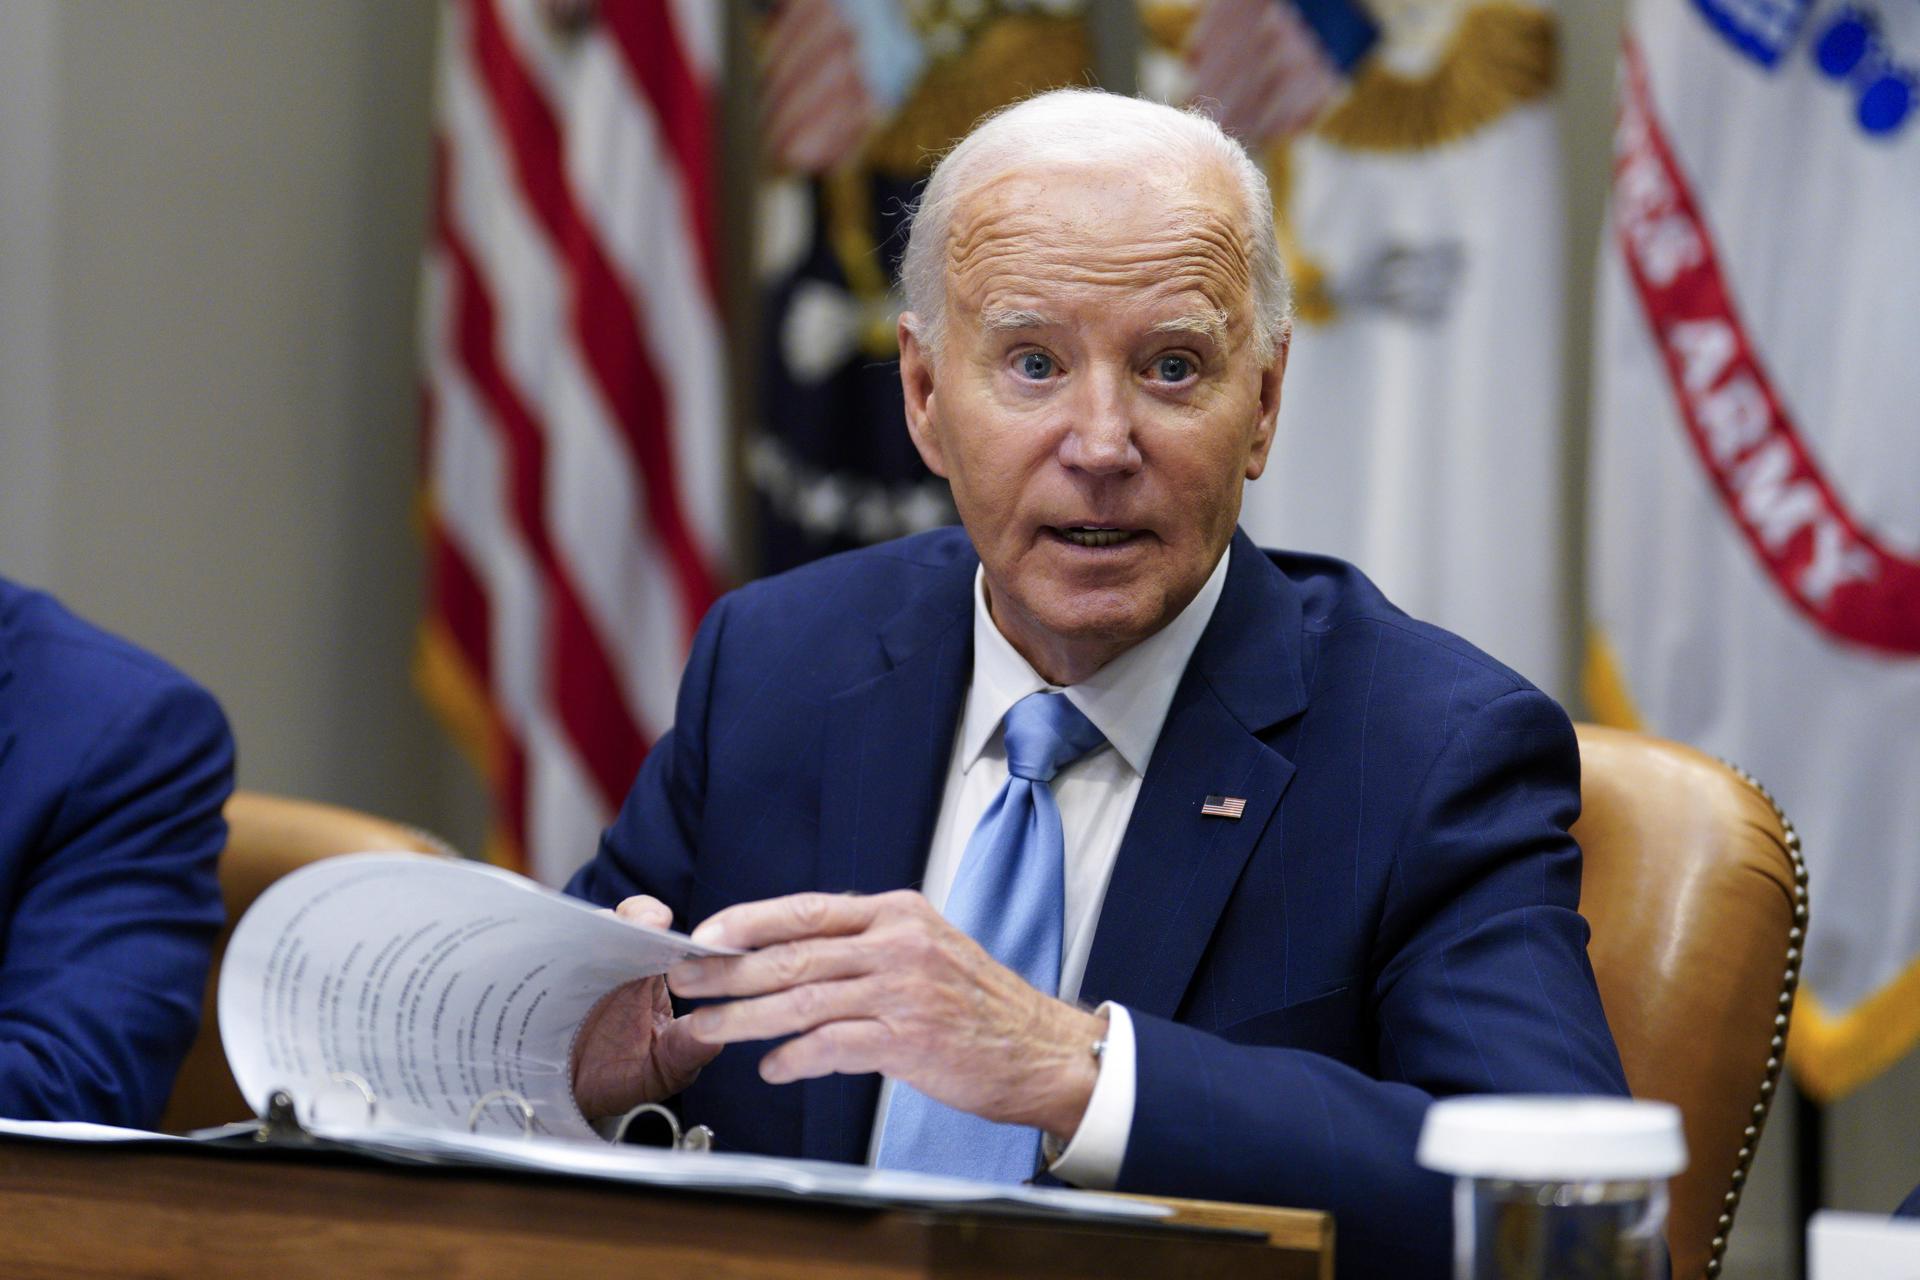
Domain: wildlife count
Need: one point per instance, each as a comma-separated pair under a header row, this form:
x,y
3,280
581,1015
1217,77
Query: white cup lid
x,y
1539,1138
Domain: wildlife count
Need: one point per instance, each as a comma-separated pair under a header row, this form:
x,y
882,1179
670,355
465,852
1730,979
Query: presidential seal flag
x,y
858,99
1414,156
1755,539
575,452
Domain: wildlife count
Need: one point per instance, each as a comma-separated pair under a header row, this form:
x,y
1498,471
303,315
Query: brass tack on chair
x,y
1634,777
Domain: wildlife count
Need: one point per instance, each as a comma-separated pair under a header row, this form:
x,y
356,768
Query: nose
x,y
1099,436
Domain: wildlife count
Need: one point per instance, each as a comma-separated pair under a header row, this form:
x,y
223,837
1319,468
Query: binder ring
x,y
698,1138
505,1095
647,1108
354,1081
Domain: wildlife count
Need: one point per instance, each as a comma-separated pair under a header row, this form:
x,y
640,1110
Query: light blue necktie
x,y
1010,897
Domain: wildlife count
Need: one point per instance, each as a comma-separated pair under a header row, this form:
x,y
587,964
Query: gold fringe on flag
x,y
1502,56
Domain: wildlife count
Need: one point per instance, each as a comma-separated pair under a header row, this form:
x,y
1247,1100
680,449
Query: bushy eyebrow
x,y
1008,320
1209,324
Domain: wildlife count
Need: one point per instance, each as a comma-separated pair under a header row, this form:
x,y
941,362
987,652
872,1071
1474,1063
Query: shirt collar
x,y
1127,699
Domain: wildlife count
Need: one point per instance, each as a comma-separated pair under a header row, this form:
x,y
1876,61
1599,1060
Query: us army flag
x,y
1413,153
1756,469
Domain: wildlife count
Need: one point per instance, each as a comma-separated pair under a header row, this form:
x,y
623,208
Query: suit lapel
x,y
1176,868
886,747
883,771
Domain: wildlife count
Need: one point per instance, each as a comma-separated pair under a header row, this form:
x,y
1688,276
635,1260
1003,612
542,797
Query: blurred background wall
x,y
211,223
211,413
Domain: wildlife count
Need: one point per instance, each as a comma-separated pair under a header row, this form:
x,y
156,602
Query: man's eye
x,y
1173,368
1035,365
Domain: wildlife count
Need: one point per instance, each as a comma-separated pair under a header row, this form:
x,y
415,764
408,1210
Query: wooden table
x,y
72,1210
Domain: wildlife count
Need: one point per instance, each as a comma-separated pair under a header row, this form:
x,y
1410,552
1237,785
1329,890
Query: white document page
x,y
648,1166
80,1131
432,981
727,1171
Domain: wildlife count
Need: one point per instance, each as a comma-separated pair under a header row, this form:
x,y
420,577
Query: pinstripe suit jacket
x,y
113,770
1391,920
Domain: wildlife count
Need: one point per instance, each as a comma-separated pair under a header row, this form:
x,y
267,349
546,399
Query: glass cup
x,y
1549,1188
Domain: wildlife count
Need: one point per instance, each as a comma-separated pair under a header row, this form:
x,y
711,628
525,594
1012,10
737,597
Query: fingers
x,y
774,968
853,1046
800,915
785,1012
641,909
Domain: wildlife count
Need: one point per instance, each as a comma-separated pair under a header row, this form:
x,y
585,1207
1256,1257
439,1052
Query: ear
x,y
916,386
1270,380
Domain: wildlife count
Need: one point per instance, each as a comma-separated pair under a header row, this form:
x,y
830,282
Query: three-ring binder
x,y
281,1124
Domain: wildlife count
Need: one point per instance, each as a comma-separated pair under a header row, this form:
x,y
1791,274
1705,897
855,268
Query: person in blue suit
x,y
113,771
1293,863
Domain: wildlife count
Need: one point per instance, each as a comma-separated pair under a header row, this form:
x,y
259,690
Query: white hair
x,y
1087,126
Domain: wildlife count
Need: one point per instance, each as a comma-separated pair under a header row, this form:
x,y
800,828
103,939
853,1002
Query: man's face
x,y
1097,400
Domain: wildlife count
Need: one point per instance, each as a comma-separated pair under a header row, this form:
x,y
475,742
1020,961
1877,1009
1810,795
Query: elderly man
x,y
1092,838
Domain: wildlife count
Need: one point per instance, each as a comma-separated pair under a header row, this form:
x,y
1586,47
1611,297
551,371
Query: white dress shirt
x,y
1127,701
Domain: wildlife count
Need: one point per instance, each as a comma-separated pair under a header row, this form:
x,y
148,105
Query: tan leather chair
x,y
1698,901
267,836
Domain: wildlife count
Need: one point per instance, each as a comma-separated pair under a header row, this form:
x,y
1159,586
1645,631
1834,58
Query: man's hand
x,y
885,984
632,1048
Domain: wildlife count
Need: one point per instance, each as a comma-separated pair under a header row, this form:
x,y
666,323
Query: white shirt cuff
x,y
1092,1160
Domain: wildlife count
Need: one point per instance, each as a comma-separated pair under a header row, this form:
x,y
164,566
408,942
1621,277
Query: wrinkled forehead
x,y
1101,232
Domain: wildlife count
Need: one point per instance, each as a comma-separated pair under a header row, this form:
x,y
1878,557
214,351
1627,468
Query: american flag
x,y
575,450
1223,807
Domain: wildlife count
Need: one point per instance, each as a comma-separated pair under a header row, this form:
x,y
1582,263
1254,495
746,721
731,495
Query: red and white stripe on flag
x,y
1260,69
575,441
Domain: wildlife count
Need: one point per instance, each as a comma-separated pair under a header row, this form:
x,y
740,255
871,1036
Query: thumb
x,y
680,1055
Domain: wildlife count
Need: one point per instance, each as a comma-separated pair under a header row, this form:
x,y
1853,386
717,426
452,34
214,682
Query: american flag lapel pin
x,y
1223,807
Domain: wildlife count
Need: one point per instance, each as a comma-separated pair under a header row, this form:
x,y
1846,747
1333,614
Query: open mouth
x,y
1085,535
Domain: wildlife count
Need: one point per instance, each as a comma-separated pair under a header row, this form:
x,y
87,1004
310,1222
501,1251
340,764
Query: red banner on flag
x,y
1812,547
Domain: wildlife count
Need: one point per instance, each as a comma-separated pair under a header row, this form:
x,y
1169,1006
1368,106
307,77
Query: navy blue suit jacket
x,y
1391,920
113,771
